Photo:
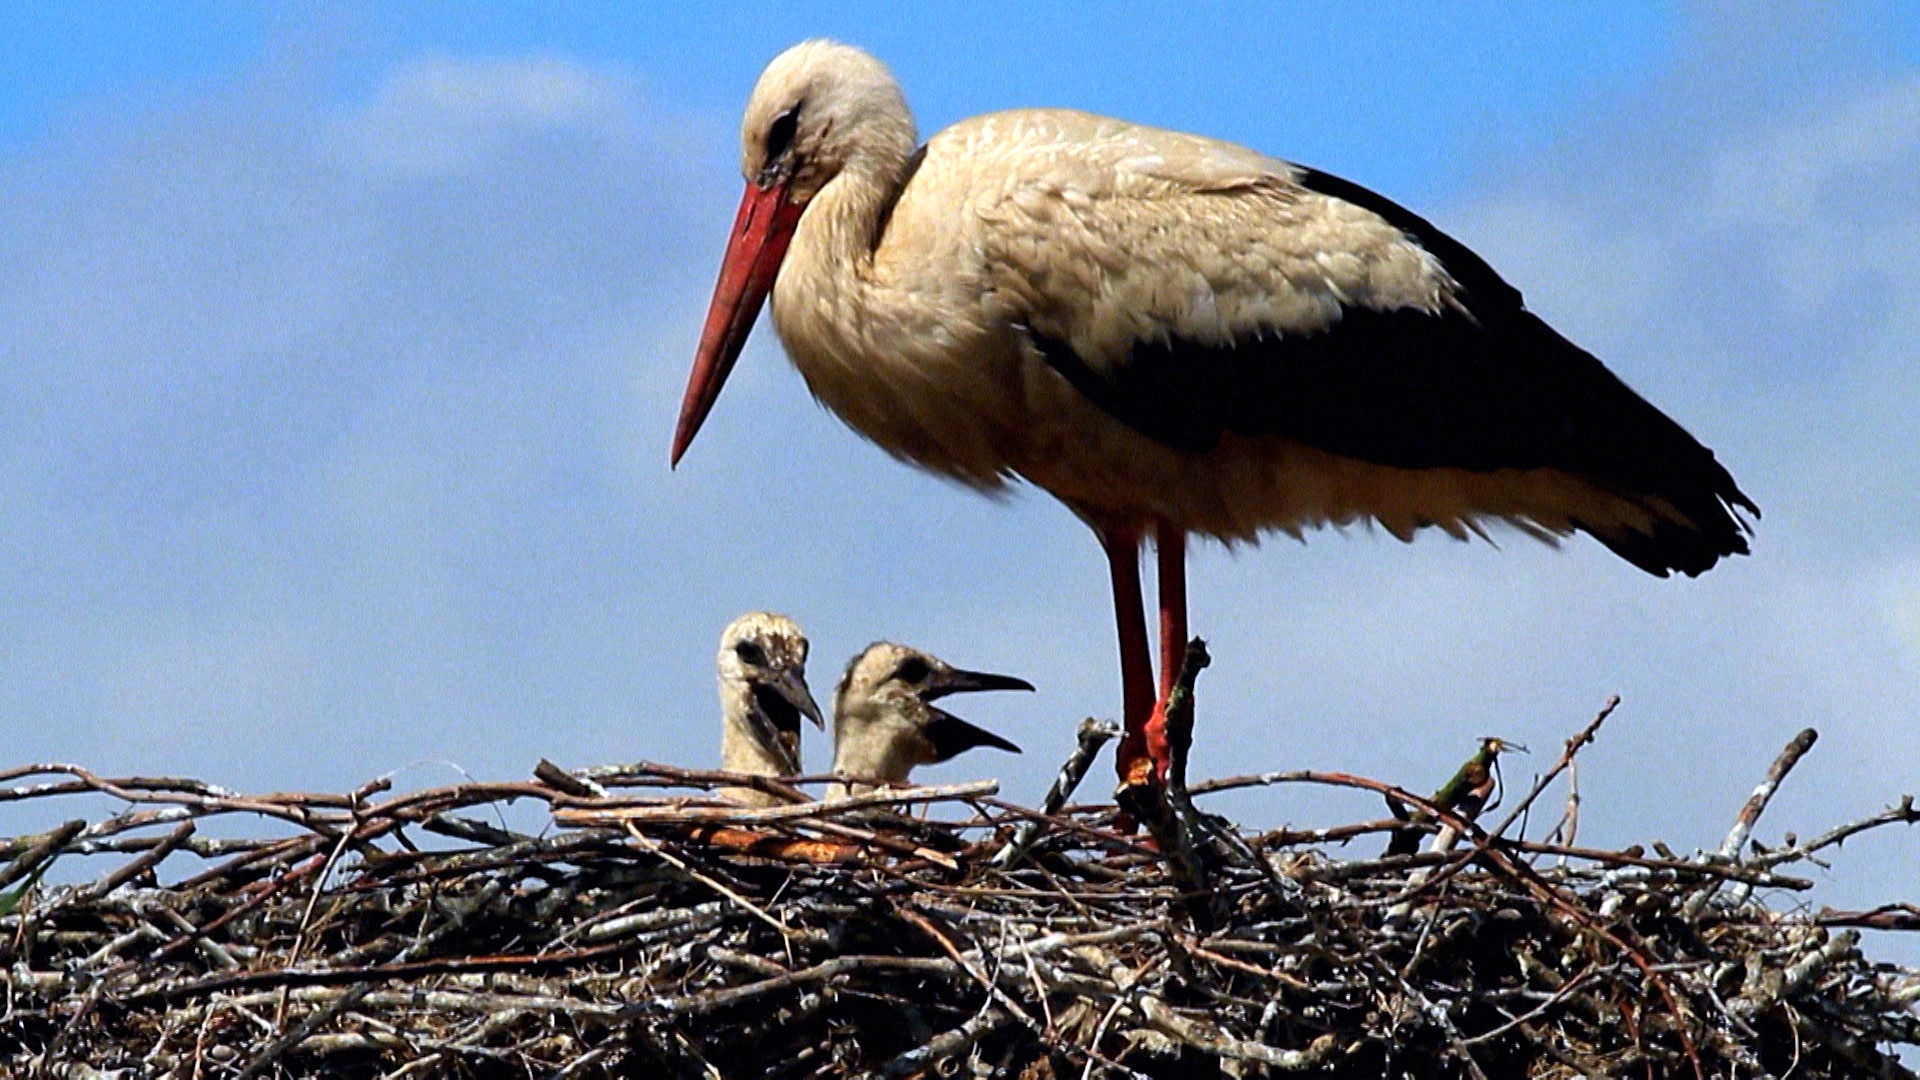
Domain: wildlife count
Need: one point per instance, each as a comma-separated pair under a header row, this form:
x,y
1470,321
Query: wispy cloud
x,y
445,115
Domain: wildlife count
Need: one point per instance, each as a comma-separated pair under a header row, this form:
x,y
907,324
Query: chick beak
x,y
951,736
942,682
791,686
783,698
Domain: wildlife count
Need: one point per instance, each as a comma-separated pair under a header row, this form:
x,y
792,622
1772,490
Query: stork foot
x,y
1142,762
1144,755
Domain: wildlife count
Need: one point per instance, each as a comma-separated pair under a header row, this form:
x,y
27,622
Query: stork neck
x,y
743,748
864,747
851,212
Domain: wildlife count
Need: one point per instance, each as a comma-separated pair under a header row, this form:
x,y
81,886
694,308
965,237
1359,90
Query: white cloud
x,y
445,115
1788,173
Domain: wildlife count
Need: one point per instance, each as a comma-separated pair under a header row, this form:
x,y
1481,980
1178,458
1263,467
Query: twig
x,y
1093,735
649,844
312,1023
1756,804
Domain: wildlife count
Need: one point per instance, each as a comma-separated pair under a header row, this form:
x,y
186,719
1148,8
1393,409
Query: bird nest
x,y
645,928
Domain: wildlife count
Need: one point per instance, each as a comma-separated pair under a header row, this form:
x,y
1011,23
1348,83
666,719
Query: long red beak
x,y
761,233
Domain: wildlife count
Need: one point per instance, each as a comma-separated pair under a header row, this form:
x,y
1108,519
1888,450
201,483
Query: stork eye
x,y
780,135
911,671
751,654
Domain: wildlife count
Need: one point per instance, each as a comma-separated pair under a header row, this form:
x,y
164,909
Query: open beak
x,y
761,232
952,736
954,681
792,690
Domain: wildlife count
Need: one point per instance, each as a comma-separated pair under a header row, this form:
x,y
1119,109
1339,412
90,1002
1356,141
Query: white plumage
x,y
1173,334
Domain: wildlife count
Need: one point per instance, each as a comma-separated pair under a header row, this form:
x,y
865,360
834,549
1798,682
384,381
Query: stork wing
x,y
1194,289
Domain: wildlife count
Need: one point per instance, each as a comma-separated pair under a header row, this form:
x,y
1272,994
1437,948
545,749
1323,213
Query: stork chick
x,y
885,722
763,695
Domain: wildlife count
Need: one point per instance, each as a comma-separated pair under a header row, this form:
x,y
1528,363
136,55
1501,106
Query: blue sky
x,y
343,345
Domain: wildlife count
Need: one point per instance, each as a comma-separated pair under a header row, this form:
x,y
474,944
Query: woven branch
x,y
655,930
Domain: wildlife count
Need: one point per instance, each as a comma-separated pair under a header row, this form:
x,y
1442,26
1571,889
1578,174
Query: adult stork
x,y
1173,335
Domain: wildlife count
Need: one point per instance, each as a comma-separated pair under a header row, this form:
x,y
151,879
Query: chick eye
x,y
750,653
780,135
911,671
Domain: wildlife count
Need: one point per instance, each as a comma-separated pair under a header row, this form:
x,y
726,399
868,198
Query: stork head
x,y
884,719
763,693
820,109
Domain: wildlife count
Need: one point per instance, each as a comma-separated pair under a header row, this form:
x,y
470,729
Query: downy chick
x,y
763,695
885,722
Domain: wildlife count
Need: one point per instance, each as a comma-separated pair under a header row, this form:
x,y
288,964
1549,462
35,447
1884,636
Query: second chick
x,y
885,722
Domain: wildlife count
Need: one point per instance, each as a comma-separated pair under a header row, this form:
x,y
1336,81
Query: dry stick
x,y
652,774
1901,814
1636,956
565,782
994,993
654,847
1573,747
587,815
287,849
1104,837
1565,990
1093,735
1680,868
927,927
43,849
415,969
947,1043
193,795
306,917
683,1005
1884,917
319,1016
1206,1036
136,866
1749,814
1190,842
266,894
1768,993
1568,827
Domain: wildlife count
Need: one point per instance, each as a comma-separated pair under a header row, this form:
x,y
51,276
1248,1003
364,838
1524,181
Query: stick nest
x,y
650,929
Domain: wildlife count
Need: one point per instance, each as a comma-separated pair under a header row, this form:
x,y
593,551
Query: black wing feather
x,y
1485,387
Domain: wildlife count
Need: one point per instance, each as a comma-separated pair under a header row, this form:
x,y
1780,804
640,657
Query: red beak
x,y
761,233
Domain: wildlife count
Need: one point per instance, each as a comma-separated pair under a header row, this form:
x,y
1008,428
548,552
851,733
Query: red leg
x,y
1136,662
1170,544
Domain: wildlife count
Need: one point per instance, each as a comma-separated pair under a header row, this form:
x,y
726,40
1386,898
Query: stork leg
x,y
1170,543
1133,762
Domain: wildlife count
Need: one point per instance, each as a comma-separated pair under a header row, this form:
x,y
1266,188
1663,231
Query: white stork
x,y
1173,334
763,694
885,721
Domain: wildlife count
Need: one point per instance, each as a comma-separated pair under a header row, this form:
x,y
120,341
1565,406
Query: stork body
x,y
762,667
1173,334
885,723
